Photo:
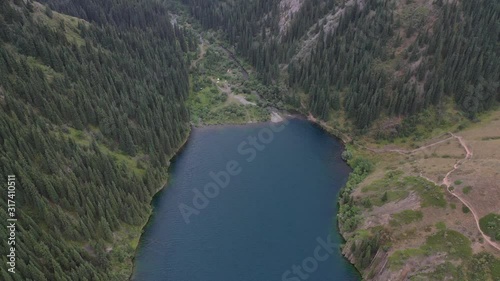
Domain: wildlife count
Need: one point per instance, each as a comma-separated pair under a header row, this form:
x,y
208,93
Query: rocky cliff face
x,y
377,270
287,9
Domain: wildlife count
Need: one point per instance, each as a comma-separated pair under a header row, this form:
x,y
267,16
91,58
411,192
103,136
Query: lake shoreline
x,y
158,190
286,116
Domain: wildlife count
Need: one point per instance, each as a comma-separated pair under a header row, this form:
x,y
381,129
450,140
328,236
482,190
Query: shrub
x,y
465,209
467,189
384,197
490,225
367,203
346,155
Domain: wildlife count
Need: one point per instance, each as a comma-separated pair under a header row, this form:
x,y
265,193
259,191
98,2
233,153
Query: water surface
x,y
269,217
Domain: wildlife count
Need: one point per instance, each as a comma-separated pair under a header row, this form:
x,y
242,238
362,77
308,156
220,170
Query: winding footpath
x,y
403,151
446,180
447,183
201,55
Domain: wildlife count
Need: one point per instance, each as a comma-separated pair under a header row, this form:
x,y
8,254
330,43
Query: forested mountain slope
x,y
92,108
367,58
93,100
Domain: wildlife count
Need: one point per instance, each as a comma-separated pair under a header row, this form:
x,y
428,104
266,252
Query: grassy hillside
x,y
409,209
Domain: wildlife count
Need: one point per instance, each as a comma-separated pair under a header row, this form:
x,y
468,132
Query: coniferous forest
x,y
369,58
75,96
93,98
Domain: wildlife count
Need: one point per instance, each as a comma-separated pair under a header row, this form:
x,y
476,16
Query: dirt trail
x,y
203,52
226,88
403,151
447,182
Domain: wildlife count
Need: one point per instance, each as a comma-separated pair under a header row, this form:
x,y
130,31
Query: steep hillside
x,y
92,108
426,210
367,58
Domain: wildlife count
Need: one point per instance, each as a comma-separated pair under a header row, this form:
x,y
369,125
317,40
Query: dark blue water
x,y
270,222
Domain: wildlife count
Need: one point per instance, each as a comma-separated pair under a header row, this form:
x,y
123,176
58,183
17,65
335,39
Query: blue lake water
x,y
266,214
